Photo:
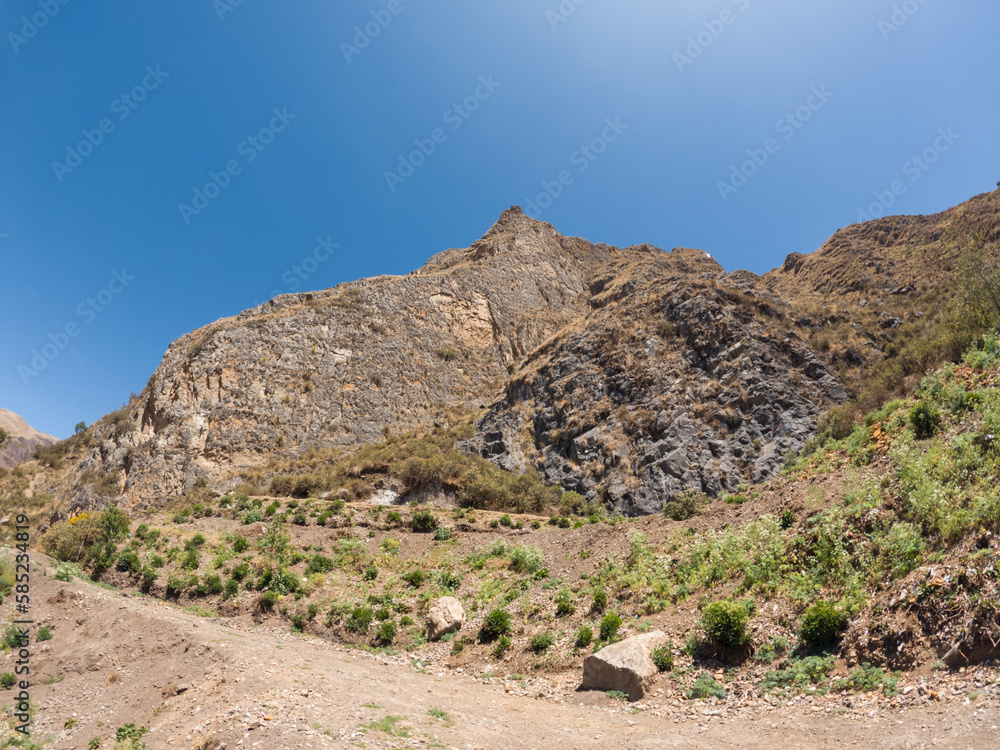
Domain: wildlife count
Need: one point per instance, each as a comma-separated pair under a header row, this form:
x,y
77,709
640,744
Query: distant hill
x,y
23,439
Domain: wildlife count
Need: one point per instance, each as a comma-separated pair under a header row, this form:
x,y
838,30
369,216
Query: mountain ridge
x,y
695,379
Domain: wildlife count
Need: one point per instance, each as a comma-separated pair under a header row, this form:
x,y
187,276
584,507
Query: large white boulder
x,y
446,615
626,666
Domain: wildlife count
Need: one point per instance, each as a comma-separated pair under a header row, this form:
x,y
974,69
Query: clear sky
x,y
166,164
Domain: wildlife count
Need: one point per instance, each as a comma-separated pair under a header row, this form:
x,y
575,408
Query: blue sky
x,y
396,129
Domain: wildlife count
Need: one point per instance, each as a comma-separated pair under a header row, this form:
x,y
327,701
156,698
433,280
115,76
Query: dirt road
x,y
205,683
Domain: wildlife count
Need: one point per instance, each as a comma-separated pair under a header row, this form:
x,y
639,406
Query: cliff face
x,y
679,377
342,366
24,439
626,374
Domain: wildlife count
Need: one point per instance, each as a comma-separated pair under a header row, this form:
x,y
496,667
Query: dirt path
x,y
117,659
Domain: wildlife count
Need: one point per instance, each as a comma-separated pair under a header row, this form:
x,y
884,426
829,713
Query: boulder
x,y
446,615
626,666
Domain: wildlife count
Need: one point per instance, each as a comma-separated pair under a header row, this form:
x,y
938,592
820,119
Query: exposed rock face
x,y
24,439
445,616
626,666
337,367
628,375
679,378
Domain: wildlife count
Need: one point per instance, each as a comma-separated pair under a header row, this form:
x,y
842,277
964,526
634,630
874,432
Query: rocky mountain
x,y
628,375
23,441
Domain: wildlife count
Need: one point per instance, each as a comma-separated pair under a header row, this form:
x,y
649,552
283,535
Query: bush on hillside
x,y
821,624
725,623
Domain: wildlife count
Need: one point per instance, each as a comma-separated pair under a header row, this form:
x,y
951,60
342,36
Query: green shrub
x,y
821,624
448,580
600,602
319,564
609,626
8,680
725,623
386,631
130,733
503,643
526,559
128,562
212,585
370,572
564,603
541,643
12,638
663,657
240,545
925,420
360,620
423,521
252,516
685,505
442,534
706,687
149,575
191,560
415,578
268,600
496,624
787,519
175,586
504,520
584,636
44,634
231,590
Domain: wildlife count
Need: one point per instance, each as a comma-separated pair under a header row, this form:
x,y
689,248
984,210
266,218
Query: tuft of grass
x,y
387,725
